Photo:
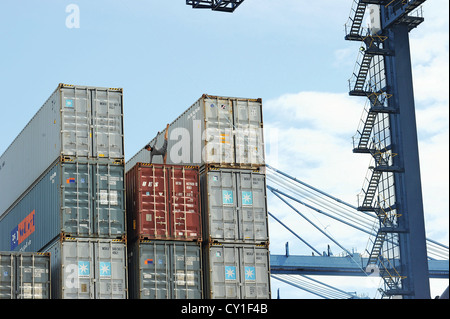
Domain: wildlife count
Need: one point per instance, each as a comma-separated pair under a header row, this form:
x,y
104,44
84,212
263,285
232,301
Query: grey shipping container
x,y
77,198
234,205
226,131
165,270
24,275
236,271
88,268
77,121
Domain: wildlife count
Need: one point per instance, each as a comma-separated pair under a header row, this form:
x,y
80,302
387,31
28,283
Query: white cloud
x,y
315,140
329,112
430,62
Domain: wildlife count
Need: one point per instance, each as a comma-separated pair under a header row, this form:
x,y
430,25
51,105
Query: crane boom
x,y
216,5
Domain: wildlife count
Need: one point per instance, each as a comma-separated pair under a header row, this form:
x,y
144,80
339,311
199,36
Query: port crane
x,y
215,5
392,193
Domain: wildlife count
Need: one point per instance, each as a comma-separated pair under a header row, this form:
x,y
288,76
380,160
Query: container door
x,y
76,205
249,132
33,277
252,207
154,270
219,144
76,122
186,271
107,124
109,192
255,275
7,276
110,270
154,207
224,277
184,202
222,206
78,270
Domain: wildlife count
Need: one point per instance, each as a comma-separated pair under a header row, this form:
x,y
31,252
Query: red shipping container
x,y
163,202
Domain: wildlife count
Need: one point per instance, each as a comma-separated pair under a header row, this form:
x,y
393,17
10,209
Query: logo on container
x,y
227,197
230,273
247,198
24,229
250,273
84,269
105,269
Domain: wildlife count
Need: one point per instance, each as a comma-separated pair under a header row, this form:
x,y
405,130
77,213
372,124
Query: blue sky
x,y
290,53
164,54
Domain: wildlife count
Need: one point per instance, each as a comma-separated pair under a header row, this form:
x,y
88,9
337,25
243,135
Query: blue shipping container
x,y
74,198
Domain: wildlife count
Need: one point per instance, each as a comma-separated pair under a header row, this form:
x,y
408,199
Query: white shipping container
x,y
226,131
236,271
88,268
77,121
234,205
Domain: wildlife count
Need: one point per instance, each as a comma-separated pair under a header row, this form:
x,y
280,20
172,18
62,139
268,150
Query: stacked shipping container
x,y
164,231
235,220
224,137
163,202
223,131
24,275
165,269
67,168
235,250
192,232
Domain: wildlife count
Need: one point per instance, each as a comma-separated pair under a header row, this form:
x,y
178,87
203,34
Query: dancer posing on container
x,y
159,151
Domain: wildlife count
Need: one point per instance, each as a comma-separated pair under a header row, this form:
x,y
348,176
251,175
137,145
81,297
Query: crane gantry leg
x,y
394,188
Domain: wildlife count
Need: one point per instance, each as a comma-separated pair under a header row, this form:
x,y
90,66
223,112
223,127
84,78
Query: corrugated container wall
x,y
24,275
234,205
163,202
225,131
88,268
77,121
233,271
165,270
77,198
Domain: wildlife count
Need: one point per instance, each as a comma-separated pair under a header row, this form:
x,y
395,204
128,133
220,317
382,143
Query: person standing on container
x,y
159,151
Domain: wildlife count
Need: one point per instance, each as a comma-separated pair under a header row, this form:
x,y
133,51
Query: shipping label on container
x,y
24,229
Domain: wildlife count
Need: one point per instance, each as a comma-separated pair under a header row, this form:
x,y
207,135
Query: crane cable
x,y
328,202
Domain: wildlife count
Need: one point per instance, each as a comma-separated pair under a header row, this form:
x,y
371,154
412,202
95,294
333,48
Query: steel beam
x,y
339,266
413,251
